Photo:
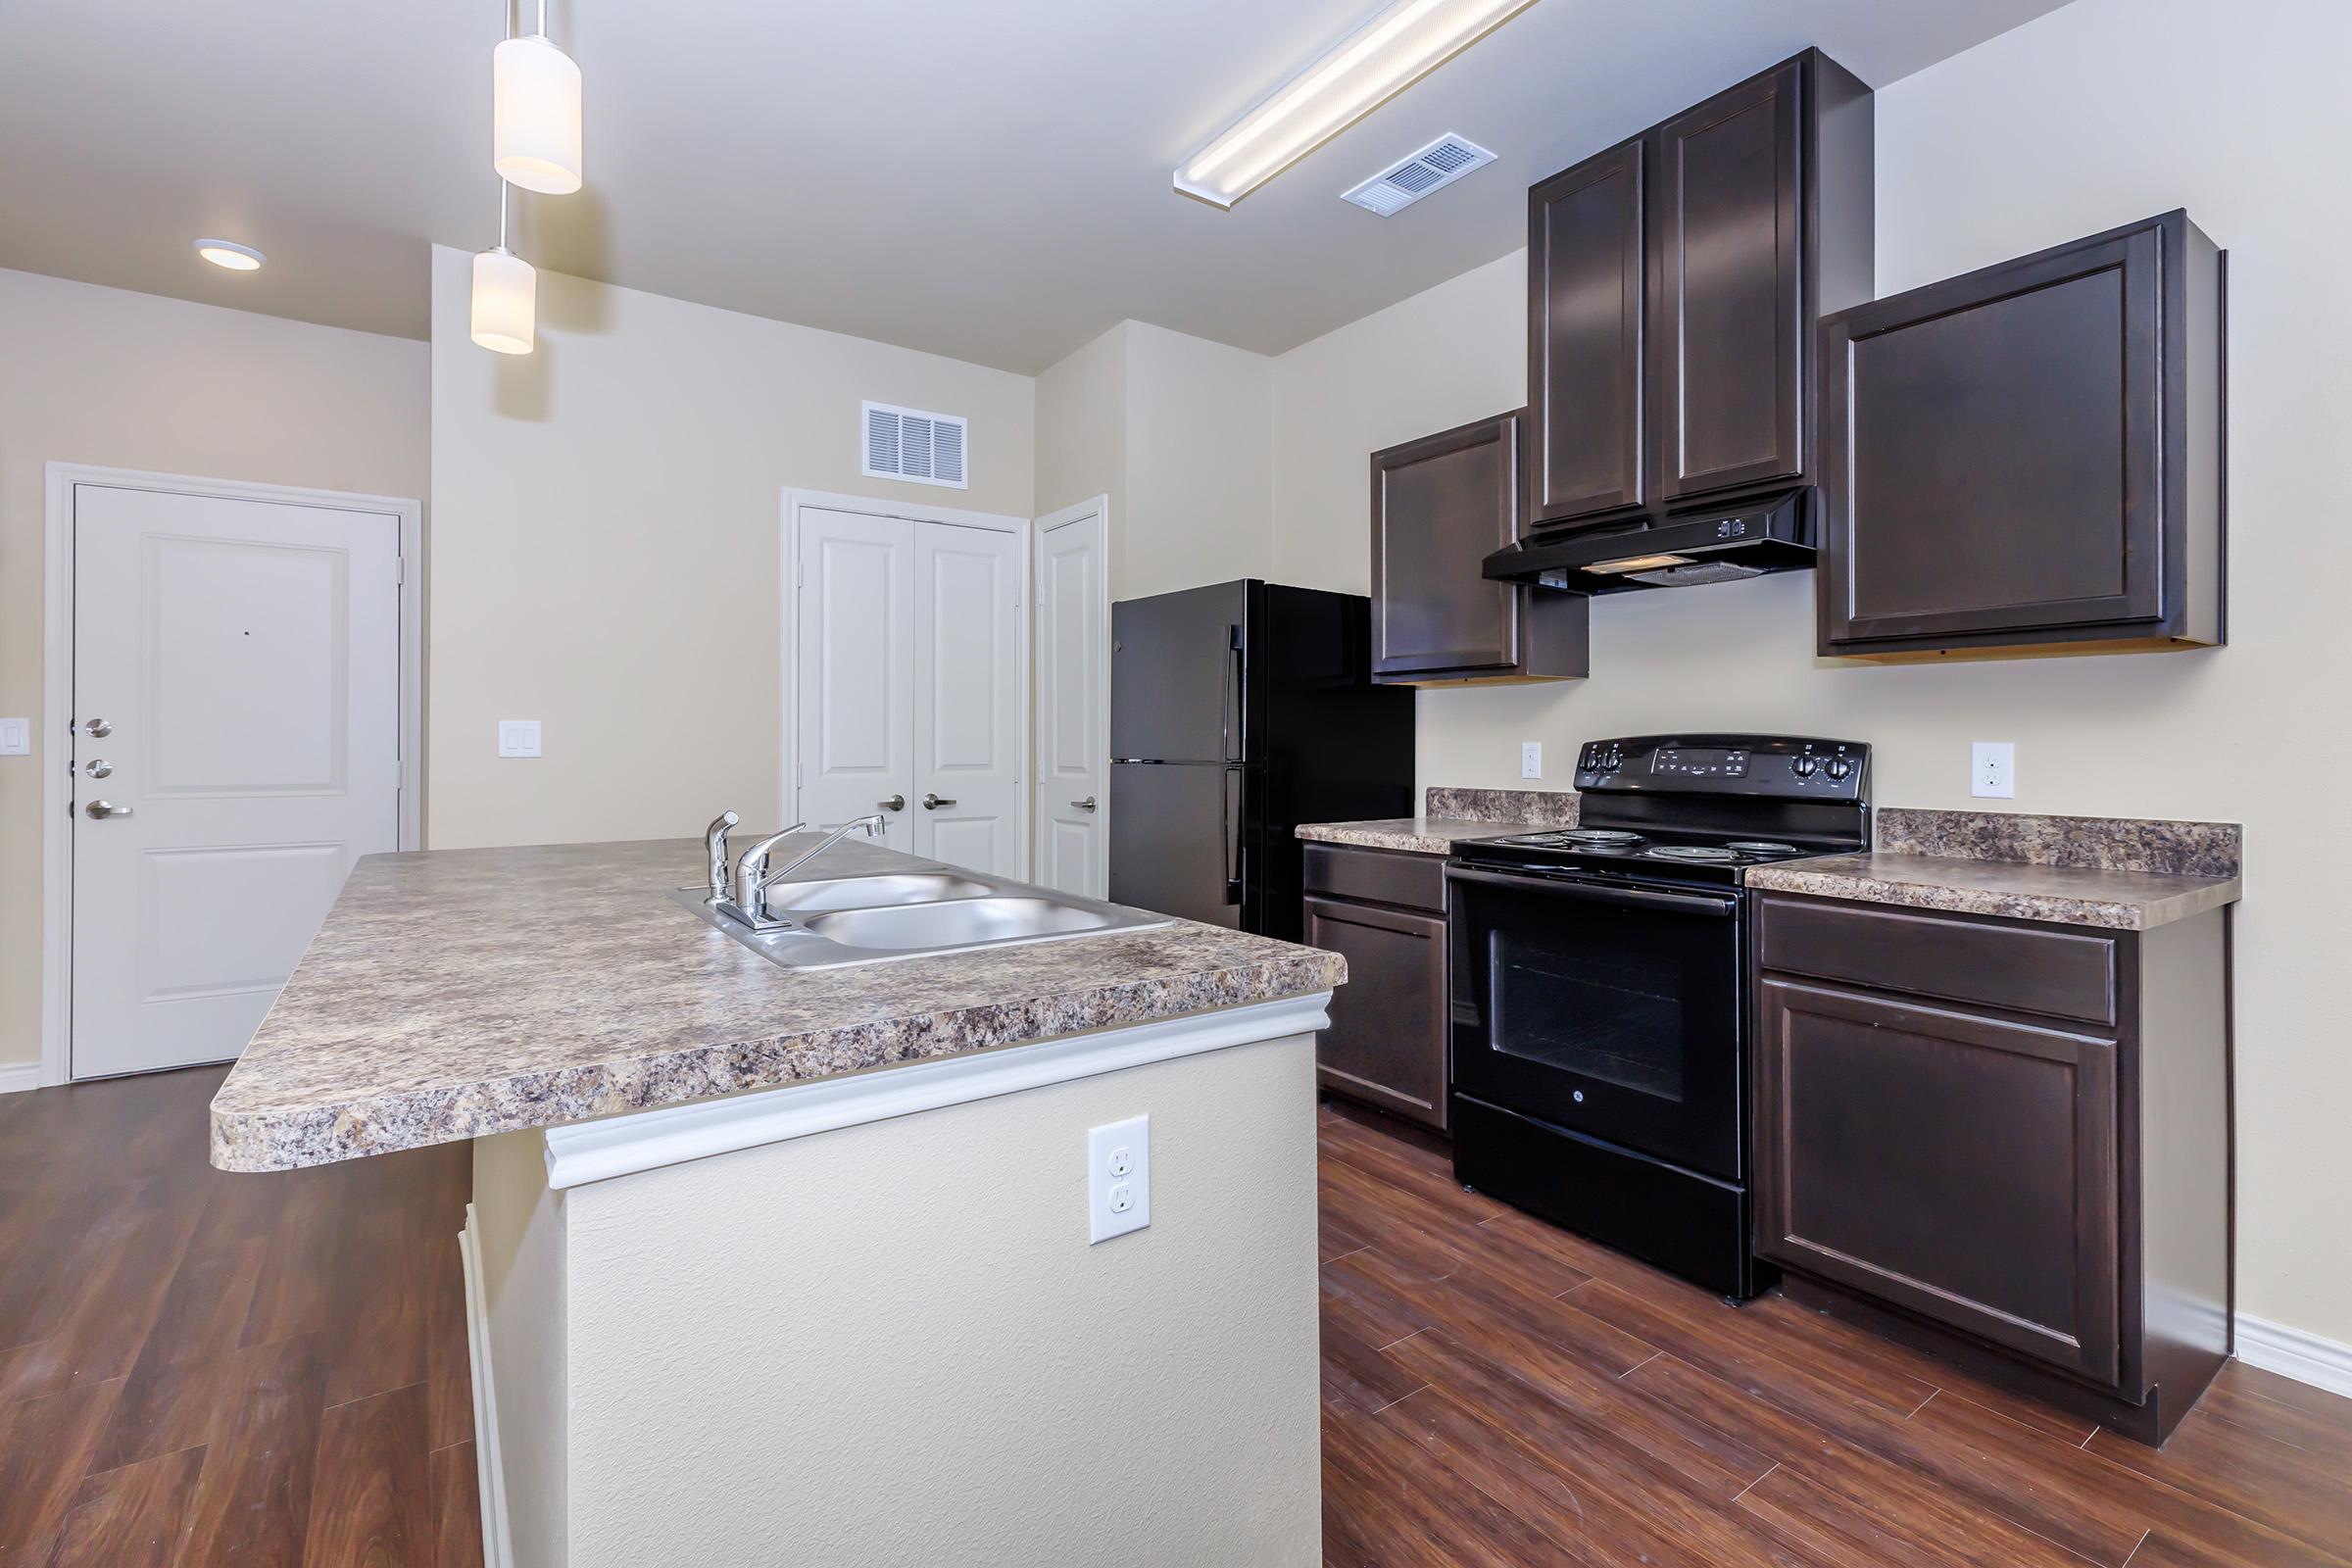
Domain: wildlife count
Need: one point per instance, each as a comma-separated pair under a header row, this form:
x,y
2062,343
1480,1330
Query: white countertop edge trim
x,y
646,1139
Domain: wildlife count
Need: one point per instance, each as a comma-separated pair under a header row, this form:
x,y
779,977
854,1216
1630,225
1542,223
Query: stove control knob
x,y
1839,767
1804,765
1614,761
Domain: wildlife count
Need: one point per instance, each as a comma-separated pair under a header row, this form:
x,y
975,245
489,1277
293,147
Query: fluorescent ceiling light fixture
x,y
1373,63
230,254
1627,564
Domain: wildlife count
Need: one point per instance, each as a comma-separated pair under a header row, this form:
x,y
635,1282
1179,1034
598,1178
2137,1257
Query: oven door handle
x,y
1598,893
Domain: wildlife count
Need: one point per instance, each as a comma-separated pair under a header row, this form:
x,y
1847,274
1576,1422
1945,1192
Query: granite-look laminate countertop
x,y
2067,895
460,993
1450,815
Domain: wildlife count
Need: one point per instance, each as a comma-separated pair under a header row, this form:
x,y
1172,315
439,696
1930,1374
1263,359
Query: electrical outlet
x,y
1531,758
1119,1178
16,737
1992,769
518,737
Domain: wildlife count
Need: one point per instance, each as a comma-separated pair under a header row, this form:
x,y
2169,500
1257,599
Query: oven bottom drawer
x,y
1693,1225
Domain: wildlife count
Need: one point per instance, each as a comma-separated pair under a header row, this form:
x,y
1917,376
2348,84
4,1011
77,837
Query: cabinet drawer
x,y
1381,876
2059,974
1963,1168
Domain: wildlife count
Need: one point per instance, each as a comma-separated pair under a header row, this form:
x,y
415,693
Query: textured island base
x,y
888,1341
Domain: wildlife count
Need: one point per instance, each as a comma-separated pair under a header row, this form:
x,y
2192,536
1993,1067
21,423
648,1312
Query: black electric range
x,y
1600,991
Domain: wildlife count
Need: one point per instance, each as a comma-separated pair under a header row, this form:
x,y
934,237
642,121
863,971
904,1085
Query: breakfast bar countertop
x,y
457,994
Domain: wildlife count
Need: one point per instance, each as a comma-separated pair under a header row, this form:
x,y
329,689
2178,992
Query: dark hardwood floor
x,y
203,1368
208,1369
1499,1391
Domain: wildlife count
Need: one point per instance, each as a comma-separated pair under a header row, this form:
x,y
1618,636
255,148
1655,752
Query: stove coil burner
x,y
1705,853
1763,847
1595,838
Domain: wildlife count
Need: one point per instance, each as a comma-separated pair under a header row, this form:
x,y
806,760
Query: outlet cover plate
x,y
1992,769
1119,1178
1531,758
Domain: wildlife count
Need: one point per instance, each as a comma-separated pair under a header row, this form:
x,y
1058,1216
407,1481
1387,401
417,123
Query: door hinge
x,y
400,569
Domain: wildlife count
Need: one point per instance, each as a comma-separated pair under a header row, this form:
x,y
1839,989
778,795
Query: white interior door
x,y
1070,743
968,802
236,692
857,670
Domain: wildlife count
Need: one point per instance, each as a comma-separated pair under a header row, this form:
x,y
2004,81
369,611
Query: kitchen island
x,y
768,1265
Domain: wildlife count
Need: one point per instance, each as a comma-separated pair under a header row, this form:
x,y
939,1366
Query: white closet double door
x,y
910,679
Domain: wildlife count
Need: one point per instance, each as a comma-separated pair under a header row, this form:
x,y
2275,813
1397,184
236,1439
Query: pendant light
x,y
535,113
506,294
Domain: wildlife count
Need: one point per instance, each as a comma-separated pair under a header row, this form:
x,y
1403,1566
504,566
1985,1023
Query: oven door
x,y
1612,1010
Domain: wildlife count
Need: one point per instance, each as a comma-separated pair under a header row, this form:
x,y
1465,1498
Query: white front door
x,y
857,670
967,791
1070,743
236,700
909,683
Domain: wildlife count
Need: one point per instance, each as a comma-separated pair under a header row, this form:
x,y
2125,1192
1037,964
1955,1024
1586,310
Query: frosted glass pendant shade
x,y
505,302
536,116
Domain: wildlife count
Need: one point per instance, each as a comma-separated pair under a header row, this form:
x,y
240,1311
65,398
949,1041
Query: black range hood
x,y
1675,550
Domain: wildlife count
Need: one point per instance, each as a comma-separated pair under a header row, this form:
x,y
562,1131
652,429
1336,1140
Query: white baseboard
x,y
2295,1353
490,1474
18,1075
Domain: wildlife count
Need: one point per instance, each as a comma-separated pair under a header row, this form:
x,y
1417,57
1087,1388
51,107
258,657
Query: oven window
x,y
1591,1004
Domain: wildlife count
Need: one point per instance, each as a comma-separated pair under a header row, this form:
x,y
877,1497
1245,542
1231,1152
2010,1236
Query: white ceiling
x,y
983,179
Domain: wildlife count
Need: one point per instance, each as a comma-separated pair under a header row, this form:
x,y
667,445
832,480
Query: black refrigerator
x,y
1237,712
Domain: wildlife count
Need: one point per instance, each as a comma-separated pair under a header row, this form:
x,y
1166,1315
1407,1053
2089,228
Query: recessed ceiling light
x,y
227,253
1370,66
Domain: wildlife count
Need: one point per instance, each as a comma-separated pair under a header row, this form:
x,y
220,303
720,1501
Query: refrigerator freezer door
x,y
1176,839
1176,676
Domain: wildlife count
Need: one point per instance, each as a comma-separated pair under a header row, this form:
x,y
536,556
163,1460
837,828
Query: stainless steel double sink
x,y
929,908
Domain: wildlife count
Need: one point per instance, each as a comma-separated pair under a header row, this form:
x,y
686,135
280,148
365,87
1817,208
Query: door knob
x,y
1086,805
932,803
896,803
99,728
99,810
99,767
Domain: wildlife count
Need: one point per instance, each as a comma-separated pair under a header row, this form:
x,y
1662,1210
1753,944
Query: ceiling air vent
x,y
1440,164
911,444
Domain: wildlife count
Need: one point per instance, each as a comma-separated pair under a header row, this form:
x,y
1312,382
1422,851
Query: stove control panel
x,y
1785,765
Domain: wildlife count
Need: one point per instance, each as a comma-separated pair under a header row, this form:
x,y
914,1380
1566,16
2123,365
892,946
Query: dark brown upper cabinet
x,y
1585,280
1672,287
1439,506
2028,459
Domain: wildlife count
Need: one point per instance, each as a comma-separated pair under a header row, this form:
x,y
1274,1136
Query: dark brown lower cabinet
x,y
1945,1142
1386,1045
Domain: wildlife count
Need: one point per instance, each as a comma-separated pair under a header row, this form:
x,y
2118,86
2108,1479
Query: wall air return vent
x,y
1438,164
914,444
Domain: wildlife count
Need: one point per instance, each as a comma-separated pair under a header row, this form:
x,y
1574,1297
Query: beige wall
x,y
606,545
1179,432
918,1294
105,376
2098,114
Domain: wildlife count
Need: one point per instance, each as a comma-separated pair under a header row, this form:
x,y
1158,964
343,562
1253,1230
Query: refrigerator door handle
x,y
1229,844
1228,694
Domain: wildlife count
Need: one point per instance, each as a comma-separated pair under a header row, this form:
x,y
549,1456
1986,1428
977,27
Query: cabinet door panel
x,y
1991,452
1387,1040
1439,506
1585,370
1730,306
1957,1166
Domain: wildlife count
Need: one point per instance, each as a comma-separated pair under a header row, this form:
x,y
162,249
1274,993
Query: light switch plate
x,y
1992,769
1119,1178
518,737
16,737
1531,758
